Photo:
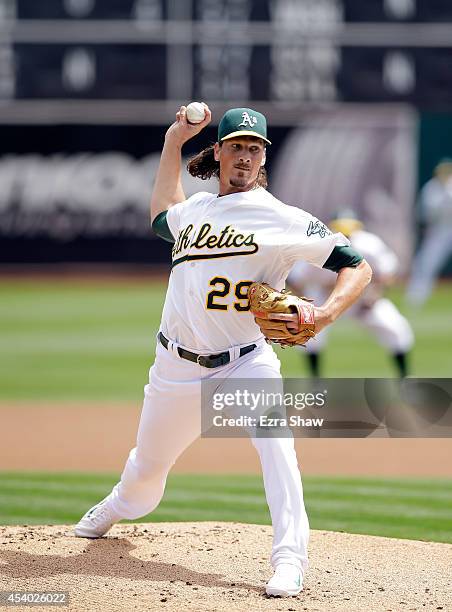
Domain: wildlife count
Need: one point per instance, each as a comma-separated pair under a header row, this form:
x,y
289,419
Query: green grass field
x,y
402,508
63,341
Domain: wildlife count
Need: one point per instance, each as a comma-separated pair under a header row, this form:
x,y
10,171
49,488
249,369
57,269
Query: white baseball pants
x,y
171,421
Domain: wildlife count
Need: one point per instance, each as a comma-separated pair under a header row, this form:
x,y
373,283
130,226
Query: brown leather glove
x,y
265,302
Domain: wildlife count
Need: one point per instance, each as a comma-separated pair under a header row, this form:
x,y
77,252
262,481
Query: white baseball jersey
x,y
380,257
222,245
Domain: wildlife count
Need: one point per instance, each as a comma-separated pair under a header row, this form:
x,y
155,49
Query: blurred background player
x,y
435,215
375,312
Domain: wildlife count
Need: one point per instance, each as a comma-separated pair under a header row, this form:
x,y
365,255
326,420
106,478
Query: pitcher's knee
x,y
144,466
150,470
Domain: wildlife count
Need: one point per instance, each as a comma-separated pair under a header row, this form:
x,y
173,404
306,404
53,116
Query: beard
x,y
241,181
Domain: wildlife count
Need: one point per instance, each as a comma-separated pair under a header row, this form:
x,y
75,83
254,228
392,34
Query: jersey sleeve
x,y
309,239
167,224
342,257
161,227
173,218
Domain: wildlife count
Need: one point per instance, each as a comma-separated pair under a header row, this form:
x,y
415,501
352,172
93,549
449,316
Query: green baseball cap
x,y
242,122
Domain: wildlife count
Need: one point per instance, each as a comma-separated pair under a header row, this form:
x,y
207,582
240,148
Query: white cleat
x,y
287,581
97,521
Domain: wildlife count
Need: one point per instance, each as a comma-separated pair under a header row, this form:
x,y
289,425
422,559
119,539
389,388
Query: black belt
x,y
207,361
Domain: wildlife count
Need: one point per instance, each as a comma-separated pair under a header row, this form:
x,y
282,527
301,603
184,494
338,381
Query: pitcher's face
x,y
240,161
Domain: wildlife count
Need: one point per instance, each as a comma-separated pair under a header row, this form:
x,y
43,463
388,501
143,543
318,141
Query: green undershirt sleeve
x,y
342,257
161,227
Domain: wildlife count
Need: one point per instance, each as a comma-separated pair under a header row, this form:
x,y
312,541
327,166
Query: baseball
x,y
195,112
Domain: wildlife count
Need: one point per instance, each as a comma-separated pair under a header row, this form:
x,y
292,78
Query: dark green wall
x,y
435,142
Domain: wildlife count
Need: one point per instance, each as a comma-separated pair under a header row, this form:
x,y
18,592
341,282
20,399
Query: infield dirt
x,y
221,567
98,437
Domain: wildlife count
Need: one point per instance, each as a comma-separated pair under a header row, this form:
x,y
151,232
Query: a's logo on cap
x,y
251,121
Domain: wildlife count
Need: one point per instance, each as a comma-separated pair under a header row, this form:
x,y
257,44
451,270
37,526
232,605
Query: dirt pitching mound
x,y
220,567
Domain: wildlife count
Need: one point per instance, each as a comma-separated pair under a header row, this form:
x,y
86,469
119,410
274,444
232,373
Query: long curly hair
x,y
204,166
